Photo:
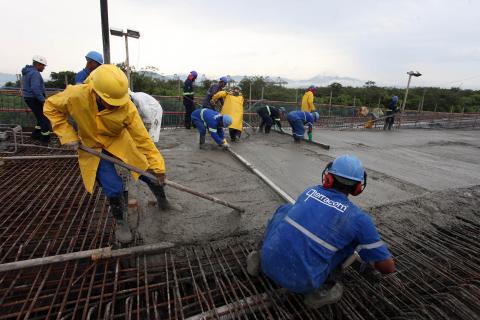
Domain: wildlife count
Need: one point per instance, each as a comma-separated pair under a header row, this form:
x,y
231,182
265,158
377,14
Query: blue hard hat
x,y
95,56
348,167
227,120
311,87
194,74
315,116
224,79
395,98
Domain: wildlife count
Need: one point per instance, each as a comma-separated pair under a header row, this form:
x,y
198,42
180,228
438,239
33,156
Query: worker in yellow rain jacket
x,y
233,106
108,122
307,99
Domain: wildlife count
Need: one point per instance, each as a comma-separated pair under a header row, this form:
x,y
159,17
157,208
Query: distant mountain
x,y
325,80
319,80
5,77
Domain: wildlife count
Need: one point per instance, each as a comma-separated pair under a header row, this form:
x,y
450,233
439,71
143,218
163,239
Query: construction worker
x,y
390,114
188,98
109,122
94,60
207,119
150,111
298,120
232,106
270,116
307,244
214,88
307,99
33,90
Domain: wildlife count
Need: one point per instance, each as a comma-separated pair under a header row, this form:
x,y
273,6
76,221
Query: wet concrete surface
x,y
211,171
400,164
414,178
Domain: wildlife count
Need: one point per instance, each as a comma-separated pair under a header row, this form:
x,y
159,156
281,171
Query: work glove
x,y
73,145
160,177
309,134
225,146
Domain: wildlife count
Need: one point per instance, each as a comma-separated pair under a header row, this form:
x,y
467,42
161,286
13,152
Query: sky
x,y
377,40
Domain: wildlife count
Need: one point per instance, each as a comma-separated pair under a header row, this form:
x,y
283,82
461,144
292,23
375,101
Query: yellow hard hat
x,y
111,84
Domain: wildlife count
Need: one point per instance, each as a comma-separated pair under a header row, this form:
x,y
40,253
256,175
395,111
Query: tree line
x,y
426,98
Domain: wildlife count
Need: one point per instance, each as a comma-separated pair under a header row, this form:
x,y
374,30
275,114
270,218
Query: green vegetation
x,y
370,95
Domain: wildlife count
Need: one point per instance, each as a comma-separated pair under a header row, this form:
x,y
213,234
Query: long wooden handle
x,y
155,179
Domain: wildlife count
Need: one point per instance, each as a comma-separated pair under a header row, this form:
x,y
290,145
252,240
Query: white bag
x,y
150,111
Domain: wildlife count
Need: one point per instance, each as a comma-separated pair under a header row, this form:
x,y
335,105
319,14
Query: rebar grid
x,y
436,279
45,211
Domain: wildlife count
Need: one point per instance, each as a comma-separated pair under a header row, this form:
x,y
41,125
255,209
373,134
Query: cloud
x,y
375,40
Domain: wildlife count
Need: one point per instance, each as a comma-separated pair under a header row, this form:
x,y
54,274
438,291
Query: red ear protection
x,y
328,181
359,187
327,177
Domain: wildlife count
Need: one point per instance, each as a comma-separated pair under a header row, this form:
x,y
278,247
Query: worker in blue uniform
x,y
206,119
306,244
33,90
214,88
94,60
298,120
390,115
188,98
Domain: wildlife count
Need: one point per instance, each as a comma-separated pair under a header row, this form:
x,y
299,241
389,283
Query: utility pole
x,y
263,88
131,34
105,36
250,96
410,74
354,100
420,107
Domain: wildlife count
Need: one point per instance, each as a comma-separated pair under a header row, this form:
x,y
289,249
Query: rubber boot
x,y
324,296
122,230
202,142
45,138
253,263
159,193
36,133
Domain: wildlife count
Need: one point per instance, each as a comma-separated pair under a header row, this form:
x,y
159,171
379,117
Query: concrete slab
x,y
401,164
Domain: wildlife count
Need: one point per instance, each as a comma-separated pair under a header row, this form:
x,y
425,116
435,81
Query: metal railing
x,y
14,110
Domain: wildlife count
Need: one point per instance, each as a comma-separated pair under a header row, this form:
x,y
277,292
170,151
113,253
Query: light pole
x,y
131,34
410,74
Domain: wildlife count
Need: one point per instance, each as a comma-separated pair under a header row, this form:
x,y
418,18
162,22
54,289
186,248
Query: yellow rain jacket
x,y
233,106
307,102
121,131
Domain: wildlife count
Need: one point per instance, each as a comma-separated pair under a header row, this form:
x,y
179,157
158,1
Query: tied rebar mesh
x,y
45,211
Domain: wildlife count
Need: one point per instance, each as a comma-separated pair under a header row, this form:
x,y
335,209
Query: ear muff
x,y
359,187
327,177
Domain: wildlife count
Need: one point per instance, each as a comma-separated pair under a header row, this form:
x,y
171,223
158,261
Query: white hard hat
x,y
40,59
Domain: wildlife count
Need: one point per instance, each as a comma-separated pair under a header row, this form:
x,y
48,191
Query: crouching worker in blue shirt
x,y
307,245
298,120
210,120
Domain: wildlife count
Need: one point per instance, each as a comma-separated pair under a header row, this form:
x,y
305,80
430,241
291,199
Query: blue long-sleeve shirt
x,y
32,83
82,75
214,88
392,105
306,117
212,121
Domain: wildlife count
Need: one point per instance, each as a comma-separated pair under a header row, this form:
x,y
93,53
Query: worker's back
x,y
233,106
309,239
307,102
